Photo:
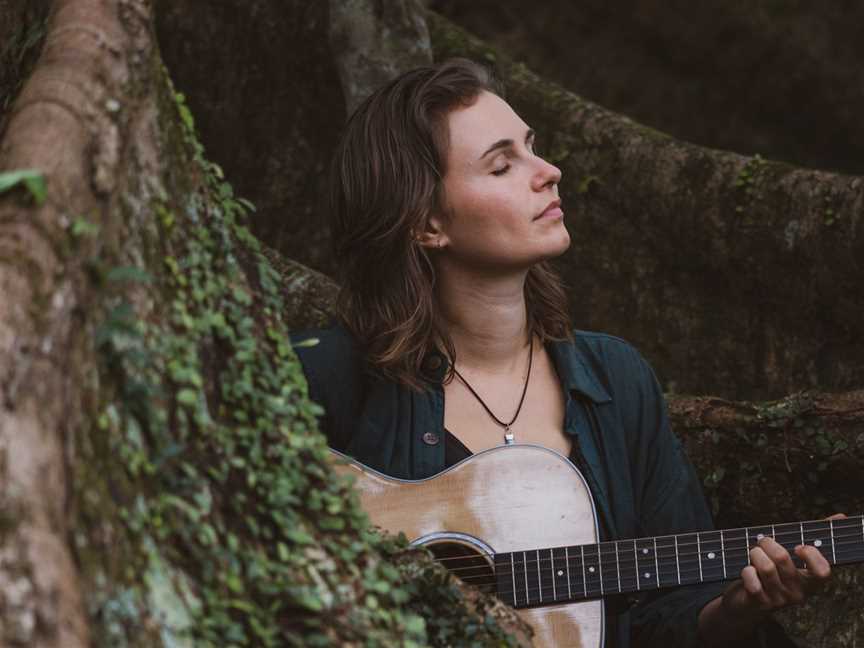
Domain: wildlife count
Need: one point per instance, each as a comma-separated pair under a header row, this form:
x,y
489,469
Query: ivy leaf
x,y
31,179
130,274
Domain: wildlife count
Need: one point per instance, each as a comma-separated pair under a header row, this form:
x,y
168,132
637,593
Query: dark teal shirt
x,y
642,482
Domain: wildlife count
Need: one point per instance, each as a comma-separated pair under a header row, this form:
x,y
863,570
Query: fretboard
x,y
559,574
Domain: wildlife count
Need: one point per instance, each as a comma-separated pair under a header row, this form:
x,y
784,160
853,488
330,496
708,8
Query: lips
x,y
552,209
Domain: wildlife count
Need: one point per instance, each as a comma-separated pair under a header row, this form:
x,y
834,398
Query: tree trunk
x,y
163,482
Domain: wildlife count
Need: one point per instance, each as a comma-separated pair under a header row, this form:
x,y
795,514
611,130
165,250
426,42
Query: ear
x,y
433,236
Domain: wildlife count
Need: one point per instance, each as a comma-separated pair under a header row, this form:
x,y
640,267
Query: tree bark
x,y
373,42
162,478
780,79
736,276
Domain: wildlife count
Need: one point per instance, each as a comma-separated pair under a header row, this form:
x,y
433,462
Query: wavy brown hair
x,y
386,179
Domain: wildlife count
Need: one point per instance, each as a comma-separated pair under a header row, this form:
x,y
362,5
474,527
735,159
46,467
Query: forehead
x,y
474,128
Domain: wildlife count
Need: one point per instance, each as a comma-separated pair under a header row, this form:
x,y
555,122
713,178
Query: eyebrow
x,y
505,143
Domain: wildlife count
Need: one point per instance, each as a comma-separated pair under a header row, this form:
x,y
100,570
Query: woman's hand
x,y
770,582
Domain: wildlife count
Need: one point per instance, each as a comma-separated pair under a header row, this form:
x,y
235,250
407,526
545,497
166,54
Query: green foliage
x,y
225,478
748,186
31,179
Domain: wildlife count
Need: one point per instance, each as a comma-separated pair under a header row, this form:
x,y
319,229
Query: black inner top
x,y
454,450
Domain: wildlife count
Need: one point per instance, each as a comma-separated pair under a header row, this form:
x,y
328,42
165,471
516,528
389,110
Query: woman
x,y
455,338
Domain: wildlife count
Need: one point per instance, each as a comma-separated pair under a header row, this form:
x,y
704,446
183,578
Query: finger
x,y
817,566
782,559
837,516
756,595
768,576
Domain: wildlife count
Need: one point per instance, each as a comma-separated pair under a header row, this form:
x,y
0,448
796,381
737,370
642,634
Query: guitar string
x,y
610,548
631,565
668,572
627,571
840,546
670,576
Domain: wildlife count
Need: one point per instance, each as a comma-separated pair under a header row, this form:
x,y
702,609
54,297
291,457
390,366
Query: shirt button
x,y
430,438
432,362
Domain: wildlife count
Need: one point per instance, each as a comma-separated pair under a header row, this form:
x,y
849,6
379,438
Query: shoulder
x,y
606,369
611,352
330,356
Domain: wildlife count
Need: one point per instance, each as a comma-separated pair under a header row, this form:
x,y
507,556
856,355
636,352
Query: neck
x,y
486,319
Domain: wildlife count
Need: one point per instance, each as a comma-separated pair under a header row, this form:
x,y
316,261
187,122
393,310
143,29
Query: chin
x,y
560,245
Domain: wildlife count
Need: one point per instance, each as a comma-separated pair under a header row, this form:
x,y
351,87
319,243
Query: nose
x,y
547,175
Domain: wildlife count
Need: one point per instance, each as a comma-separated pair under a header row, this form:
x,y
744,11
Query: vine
x,y
229,507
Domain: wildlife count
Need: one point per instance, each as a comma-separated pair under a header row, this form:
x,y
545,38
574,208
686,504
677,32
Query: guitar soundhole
x,y
464,561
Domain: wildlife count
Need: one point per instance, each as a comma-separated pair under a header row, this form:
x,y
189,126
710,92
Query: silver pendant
x,y
508,436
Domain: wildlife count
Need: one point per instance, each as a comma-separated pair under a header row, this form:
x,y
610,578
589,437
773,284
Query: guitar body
x,y
509,498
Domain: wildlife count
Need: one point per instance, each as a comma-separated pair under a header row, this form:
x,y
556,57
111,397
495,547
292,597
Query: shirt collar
x,y
574,370
576,373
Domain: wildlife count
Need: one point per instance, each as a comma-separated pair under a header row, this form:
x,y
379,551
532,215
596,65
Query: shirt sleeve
x,y
669,500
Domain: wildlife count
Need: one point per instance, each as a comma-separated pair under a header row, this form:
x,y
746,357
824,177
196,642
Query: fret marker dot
x,y
645,551
560,572
647,575
711,555
817,543
591,569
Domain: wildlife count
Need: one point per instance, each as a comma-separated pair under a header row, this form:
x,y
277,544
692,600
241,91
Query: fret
x,y
567,562
520,587
532,574
646,563
699,550
618,566
584,577
539,582
788,536
677,562
723,553
592,569
628,572
576,567
850,540
600,567
710,556
757,533
689,558
818,534
609,567
544,576
667,561
505,578
736,552
636,565
833,543
513,577
561,579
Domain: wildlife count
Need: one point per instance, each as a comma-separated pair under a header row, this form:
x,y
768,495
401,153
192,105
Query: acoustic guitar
x,y
519,521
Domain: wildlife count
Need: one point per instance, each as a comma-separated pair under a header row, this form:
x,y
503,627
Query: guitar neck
x,y
559,574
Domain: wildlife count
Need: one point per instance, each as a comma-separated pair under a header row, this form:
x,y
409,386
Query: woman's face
x,y
498,192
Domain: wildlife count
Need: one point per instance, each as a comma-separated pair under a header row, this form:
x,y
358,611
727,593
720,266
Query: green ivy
x,y
226,481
